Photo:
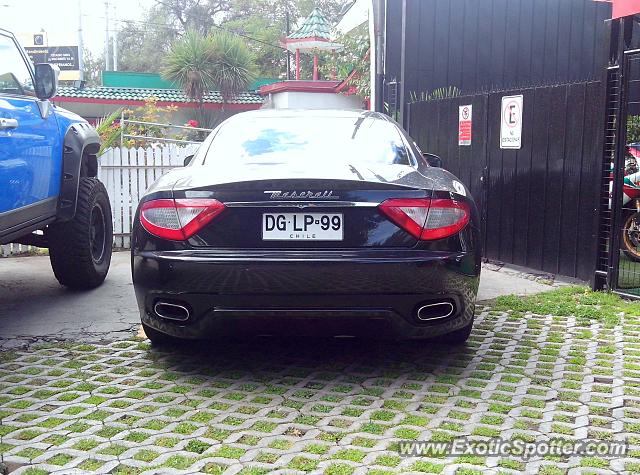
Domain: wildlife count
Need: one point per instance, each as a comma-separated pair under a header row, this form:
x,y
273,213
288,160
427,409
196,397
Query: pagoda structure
x,y
314,35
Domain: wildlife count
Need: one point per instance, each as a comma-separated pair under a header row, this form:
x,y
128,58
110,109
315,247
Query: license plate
x,y
302,227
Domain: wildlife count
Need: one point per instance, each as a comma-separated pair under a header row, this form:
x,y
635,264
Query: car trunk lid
x,y
302,213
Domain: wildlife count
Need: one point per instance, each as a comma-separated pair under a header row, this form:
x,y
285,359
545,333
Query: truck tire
x,y
80,249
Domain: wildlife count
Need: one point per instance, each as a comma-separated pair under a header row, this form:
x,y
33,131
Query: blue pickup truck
x,y
49,194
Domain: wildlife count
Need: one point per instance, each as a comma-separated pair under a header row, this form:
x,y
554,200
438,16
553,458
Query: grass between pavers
x,y
581,302
323,409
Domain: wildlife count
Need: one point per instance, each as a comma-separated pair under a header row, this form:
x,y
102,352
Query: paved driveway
x,y
337,407
333,407
33,307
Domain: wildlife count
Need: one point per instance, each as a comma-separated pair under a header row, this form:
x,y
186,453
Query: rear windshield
x,y
268,140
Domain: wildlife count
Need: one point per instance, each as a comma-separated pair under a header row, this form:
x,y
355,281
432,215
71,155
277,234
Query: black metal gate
x,y
618,265
539,204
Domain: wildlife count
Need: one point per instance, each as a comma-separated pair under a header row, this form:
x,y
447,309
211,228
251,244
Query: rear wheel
x,y
158,338
80,249
459,336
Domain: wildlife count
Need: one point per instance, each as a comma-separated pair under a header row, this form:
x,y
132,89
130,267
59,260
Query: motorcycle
x,y
631,204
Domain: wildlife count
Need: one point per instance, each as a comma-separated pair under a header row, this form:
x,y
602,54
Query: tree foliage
x,y
143,45
633,129
218,61
110,127
261,23
194,15
435,94
109,130
189,64
92,68
352,61
270,59
233,67
275,11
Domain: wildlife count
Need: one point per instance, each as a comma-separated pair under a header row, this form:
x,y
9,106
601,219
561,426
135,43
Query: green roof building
x,y
131,89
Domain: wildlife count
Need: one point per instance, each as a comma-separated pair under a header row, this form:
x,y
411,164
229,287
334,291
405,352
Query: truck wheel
x,y
80,249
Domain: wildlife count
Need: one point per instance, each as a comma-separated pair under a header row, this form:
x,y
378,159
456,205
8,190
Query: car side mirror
x,y
46,80
188,159
433,160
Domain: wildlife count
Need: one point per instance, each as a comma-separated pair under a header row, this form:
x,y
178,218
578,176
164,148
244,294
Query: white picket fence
x,y
15,250
126,173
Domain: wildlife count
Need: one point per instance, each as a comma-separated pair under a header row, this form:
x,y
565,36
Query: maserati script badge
x,y
307,195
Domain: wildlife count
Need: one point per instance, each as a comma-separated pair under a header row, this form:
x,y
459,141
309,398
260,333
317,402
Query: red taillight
x,y
409,214
446,217
179,219
428,219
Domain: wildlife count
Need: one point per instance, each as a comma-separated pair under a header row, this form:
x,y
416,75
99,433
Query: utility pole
x,y
106,36
80,43
378,26
288,26
115,39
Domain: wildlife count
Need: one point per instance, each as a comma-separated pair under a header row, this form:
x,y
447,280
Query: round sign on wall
x,y
511,122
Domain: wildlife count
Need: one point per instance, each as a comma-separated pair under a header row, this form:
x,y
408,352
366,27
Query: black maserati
x,y
311,223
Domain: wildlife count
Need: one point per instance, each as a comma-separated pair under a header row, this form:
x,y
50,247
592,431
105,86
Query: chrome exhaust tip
x,y
435,311
172,311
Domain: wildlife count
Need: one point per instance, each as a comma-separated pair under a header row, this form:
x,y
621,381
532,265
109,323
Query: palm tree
x,y
218,61
234,68
189,64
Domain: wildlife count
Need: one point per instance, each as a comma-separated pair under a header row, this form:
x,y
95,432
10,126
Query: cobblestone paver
x,y
335,407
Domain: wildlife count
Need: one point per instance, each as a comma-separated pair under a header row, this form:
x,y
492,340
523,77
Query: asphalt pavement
x,y
34,307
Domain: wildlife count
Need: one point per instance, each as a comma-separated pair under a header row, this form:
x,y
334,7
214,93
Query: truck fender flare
x,y
80,147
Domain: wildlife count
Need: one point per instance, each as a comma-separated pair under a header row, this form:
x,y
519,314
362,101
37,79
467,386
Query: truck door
x,y
30,144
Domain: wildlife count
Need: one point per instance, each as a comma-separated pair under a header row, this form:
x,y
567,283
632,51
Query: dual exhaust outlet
x,y
426,313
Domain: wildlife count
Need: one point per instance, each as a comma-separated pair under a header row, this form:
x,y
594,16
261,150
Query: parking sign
x,y
511,122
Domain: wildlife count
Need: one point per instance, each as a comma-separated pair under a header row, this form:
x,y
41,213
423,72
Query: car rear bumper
x,y
320,293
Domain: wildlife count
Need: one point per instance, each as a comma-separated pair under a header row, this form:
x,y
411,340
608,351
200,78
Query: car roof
x,y
311,113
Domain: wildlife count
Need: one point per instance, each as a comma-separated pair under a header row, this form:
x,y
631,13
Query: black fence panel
x,y
478,45
524,193
494,210
591,177
555,123
539,203
538,177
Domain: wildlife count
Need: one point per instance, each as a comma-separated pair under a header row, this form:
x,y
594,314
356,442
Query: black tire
x,y
459,336
631,236
80,249
158,338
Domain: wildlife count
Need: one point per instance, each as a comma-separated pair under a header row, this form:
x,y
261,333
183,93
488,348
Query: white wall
x,y
313,100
